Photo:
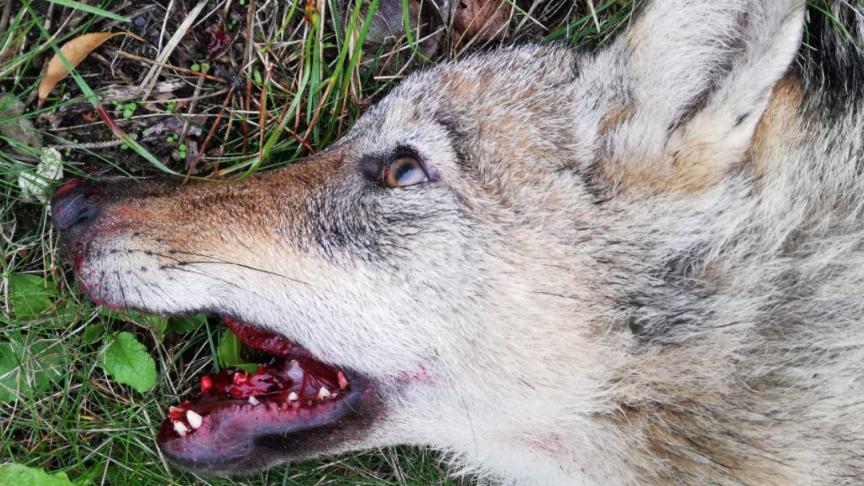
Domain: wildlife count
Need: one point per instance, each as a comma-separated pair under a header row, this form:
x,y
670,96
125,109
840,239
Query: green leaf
x,y
91,476
21,475
30,370
229,349
183,325
230,353
159,324
93,333
28,295
128,362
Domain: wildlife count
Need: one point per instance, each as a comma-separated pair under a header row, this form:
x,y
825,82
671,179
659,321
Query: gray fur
x,y
641,265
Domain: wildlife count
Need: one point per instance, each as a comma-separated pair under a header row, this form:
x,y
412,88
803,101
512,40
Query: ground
x,y
188,91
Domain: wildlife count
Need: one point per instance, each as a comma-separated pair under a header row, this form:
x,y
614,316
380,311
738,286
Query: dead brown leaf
x,y
75,51
482,20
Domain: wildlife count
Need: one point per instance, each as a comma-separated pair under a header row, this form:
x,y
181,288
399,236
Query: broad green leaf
x,y
28,295
30,370
93,333
128,362
112,314
21,475
91,476
158,323
229,349
183,325
230,353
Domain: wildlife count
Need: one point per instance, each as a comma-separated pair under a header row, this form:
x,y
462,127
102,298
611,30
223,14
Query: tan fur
x,y
780,124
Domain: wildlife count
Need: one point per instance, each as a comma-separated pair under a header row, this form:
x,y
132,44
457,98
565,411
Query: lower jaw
x,y
240,421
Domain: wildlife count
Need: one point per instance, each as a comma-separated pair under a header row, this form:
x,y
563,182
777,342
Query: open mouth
x,y
238,418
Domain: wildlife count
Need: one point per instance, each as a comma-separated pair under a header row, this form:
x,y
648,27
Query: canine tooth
x,y
323,393
180,428
292,397
253,401
194,419
343,382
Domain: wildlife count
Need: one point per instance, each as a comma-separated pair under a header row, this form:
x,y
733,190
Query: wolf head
x,y
470,246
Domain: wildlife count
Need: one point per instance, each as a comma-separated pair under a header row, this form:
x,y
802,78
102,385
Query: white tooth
x,y
194,419
292,397
253,401
323,393
180,428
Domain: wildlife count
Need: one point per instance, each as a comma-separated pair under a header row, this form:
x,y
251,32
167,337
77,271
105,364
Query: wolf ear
x,y
697,77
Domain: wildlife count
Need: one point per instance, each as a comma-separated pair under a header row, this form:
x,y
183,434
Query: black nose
x,y
74,205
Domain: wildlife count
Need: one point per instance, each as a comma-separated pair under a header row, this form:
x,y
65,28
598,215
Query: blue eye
x,y
403,172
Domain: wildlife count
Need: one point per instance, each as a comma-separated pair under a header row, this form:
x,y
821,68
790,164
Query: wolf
x,y
636,264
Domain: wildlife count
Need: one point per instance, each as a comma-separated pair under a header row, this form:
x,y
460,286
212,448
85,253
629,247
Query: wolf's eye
x,y
404,171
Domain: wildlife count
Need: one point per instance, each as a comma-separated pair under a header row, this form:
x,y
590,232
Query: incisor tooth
x,y
292,397
194,419
180,428
323,393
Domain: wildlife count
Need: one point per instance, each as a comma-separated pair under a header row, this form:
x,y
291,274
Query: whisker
x,y
242,265
217,260
122,290
213,277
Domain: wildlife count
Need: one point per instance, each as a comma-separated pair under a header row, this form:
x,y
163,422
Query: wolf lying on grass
x,y
640,265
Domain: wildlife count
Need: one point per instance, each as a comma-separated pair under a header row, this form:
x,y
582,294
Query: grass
x,y
218,106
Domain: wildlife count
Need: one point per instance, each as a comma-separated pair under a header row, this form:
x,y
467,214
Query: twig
x,y
192,106
183,70
262,108
165,24
88,146
594,14
4,18
247,64
162,58
213,127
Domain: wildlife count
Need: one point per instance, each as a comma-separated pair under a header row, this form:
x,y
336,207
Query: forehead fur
x,y
504,120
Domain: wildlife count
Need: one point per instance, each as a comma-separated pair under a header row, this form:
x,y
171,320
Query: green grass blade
x,y
90,9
